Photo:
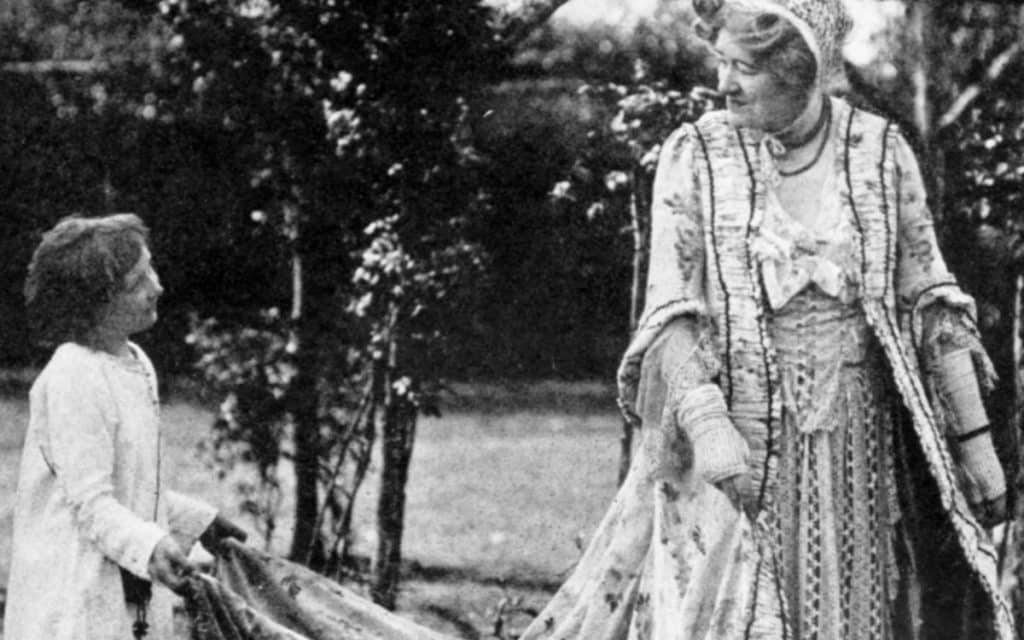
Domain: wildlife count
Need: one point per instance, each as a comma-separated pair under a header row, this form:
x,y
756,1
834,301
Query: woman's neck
x,y
801,131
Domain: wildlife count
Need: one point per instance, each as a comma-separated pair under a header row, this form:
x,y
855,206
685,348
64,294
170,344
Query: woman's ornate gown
x,y
672,559
835,504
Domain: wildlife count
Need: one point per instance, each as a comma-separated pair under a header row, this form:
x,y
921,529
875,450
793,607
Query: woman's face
x,y
133,309
755,97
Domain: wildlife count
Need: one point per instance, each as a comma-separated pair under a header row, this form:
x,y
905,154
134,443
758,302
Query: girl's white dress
x,y
90,500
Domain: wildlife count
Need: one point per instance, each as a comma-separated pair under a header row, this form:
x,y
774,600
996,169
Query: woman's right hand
x,y
168,564
739,490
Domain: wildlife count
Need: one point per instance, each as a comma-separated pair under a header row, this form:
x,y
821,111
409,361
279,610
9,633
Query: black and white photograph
x,y
511,320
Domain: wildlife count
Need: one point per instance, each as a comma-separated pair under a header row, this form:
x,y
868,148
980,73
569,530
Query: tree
x,y
357,113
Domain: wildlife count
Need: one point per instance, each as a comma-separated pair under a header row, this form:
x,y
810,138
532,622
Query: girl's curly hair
x,y
77,269
773,41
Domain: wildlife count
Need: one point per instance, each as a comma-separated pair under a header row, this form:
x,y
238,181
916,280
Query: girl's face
x,y
133,309
755,97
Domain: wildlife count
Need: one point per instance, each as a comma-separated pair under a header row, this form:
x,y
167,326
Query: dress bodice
x,y
816,323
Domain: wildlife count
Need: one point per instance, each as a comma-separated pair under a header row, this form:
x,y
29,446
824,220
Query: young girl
x,y
94,528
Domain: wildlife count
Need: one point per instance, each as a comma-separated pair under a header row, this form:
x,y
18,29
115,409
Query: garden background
x,y
388,224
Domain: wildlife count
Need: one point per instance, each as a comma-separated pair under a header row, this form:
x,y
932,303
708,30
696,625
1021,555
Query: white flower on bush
x,y
562,191
341,81
616,181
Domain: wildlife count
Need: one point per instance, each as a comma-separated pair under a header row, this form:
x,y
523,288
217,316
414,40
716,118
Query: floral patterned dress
x,y
815,341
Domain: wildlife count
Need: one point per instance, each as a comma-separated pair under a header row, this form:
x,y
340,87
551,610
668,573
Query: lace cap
x,y
824,24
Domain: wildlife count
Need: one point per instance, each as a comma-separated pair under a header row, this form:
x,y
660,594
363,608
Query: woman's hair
x,y
774,42
78,268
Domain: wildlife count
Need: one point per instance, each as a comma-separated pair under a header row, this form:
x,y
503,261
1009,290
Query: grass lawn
x,y
503,488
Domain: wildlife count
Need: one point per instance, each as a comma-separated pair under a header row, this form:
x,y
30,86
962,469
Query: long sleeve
x,y
187,517
955,368
676,271
670,365
677,384
922,277
79,445
953,361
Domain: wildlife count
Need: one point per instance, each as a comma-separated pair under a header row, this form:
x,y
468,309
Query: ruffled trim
x,y
628,376
719,450
946,292
972,539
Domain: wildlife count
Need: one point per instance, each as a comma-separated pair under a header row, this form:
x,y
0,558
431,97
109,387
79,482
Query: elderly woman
x,y
93,523
805,356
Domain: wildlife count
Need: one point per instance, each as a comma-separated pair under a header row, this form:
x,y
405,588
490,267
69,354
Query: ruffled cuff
x,y
720,451
944,295
650,329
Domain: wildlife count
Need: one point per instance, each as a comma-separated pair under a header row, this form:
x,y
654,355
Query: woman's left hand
x,y
991,512
219,530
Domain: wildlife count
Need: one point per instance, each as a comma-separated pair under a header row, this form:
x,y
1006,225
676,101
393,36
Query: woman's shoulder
x,y
715,130
688,135
861,119
713,119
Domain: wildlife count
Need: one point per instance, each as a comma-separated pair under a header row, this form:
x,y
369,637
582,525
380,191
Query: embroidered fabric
x,y
700,367
835,499
950,334
947,329
835,504
720,451
897,273
792,257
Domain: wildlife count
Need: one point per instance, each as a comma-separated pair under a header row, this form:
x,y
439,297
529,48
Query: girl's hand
x,y
169,566
219,530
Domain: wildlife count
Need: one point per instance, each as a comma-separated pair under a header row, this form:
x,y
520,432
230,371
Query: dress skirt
x,y
835,504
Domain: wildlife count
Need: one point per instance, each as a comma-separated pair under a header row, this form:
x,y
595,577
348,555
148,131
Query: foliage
x,y
606,49
617,185
356,116
107,33
74,144
983,228
398,291
250,367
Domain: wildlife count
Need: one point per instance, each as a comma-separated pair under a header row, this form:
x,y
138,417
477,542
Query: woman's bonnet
x,y
824,24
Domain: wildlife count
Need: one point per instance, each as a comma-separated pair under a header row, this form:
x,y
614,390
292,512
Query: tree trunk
x,y
398,434
302,405
1011,557
516,19
639,212
399,431
929,78
919,22
306,544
